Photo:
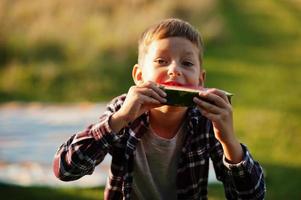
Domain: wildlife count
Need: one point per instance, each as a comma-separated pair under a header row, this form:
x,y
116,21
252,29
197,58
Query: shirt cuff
x,y
246,163
102,128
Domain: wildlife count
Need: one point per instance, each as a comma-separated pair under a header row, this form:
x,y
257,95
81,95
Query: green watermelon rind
x,y
184,97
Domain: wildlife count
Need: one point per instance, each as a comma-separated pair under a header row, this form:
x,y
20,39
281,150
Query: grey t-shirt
x,y
155,166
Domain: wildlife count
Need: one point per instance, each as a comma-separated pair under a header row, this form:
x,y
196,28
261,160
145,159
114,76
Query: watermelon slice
x,y
181,96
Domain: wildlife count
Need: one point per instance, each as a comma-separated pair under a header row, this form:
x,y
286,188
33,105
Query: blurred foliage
x,y
84,51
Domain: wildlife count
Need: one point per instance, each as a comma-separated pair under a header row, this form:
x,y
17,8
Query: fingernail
x,y
202,93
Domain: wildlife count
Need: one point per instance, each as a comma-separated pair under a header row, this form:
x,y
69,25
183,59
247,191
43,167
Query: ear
x,y
137,74
202,78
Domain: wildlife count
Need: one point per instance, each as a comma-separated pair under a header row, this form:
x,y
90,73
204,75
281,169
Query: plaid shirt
x,y
84,151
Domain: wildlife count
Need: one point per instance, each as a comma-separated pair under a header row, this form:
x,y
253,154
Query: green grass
x,y
35,193
252,50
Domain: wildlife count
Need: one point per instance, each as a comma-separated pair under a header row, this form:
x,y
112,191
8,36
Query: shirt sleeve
x,y
79,155
246,177
244,180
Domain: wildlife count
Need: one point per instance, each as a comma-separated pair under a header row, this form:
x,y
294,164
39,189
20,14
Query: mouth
x,y
177,84
172,83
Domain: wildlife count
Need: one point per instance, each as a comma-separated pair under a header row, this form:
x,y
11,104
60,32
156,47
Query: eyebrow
x,y
188,53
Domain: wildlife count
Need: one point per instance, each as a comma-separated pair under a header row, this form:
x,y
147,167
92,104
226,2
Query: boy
x,y
161,151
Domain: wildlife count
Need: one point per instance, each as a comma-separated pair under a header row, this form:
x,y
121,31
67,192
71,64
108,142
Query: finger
x,y
211,97
156,87
147,100
211,116
151,93
207,107
219,93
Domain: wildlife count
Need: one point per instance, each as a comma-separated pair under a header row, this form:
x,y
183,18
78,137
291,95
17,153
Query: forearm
x,y
244,180
117,122
68,166
77,157
232,151
83,151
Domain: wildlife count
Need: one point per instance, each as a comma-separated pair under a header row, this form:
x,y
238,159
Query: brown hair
x,y
169,28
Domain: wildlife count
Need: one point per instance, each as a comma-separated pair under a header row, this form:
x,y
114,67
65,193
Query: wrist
x,y
118,121
230,142
233,151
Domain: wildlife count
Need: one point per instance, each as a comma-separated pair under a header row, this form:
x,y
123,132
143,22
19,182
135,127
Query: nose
x,y
174,70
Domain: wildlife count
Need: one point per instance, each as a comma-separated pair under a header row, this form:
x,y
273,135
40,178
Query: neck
x,y
167,120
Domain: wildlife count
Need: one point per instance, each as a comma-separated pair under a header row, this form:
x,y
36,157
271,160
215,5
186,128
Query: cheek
x,y
194,78
153,75
160,78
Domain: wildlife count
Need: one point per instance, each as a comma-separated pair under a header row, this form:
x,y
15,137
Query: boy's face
x,y
170,61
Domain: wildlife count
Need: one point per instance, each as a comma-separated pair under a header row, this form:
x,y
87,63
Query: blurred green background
x,y
75,50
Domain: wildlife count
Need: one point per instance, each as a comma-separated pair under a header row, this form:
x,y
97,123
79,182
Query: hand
x,y
139,99
219,111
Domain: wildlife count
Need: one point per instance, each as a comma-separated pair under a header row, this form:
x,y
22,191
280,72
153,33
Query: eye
x,y
161,61
187,63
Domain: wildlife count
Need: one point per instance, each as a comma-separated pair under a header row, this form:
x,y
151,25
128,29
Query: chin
x,y
168,108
